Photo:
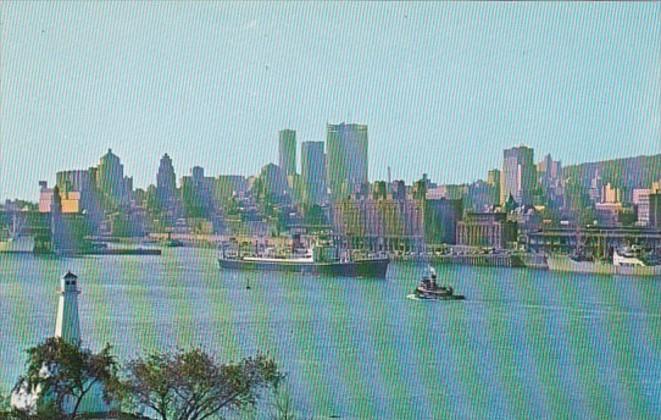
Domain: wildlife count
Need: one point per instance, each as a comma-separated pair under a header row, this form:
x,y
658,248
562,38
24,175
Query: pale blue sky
x,y
443,87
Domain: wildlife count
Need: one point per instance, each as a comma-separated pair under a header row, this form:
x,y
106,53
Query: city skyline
x,y
510,177
445,81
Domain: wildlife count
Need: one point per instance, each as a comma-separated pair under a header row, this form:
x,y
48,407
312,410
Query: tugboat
x,y
429,289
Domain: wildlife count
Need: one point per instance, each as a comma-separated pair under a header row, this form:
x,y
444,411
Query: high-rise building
x,y
519,175
610,194
274,182
110,179
313,171
166,182
480,196
549,169
655,210
549,174
128,190
493,179
641,201
81,183
197,193
347,166
287,151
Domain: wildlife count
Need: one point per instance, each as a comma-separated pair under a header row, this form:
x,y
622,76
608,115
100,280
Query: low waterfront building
x,y
608,213
70,201
380,224
593,240
486,230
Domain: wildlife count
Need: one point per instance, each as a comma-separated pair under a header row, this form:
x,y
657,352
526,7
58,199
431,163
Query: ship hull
x,y
363,268
566,264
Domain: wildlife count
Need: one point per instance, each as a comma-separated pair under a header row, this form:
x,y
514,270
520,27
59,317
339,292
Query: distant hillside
x,y
635,172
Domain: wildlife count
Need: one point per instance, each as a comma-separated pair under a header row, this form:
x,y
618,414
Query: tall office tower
x,y
493,179
287,151
313,171
549,169
74,180
197,193
83,182
346,147
166,181
519,175
655,210
110,178
641,201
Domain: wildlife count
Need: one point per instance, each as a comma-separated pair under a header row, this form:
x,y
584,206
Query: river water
x,y
525,343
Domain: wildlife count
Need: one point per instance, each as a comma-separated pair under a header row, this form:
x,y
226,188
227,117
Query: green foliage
x,y
419,190
626,172
314,215
282,406
64,372
4,405
152,203
192,385
587,216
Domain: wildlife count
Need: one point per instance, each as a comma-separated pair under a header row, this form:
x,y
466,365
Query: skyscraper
x,y
313,171
110,178
493,179
519,176
197,193
549,169
84,182
166,182
287,151
346,148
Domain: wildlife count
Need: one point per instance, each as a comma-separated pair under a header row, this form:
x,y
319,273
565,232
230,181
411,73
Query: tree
x,y
586,216
283,405
314,215
192,385
4,406
63,374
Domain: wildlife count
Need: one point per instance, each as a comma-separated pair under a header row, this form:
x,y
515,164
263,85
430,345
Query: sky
x,y
443,87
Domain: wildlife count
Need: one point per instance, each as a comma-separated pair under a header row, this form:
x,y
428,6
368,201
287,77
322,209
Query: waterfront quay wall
x,y
458,255
487,260
502,259
491,260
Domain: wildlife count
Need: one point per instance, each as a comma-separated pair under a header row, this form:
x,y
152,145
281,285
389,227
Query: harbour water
x,y
525,343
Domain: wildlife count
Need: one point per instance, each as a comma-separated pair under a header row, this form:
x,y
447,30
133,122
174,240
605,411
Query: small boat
x,y
174,243
429,289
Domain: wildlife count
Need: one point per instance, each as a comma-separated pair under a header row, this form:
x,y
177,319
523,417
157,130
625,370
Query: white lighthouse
x,y
67,326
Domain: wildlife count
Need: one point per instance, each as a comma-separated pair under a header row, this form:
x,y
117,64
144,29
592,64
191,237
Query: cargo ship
x,y
625,262
319,260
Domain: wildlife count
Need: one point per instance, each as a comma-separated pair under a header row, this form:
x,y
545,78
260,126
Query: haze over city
x,y
443,88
